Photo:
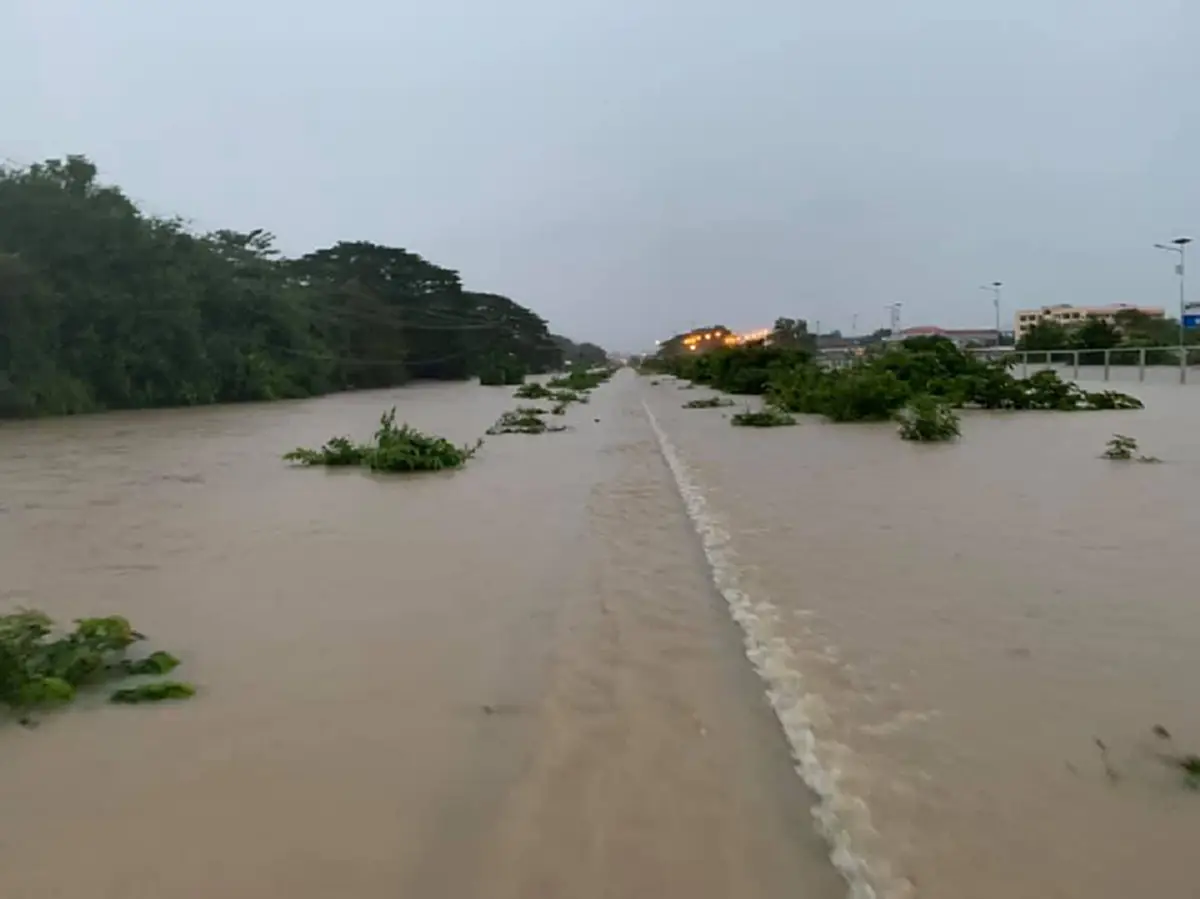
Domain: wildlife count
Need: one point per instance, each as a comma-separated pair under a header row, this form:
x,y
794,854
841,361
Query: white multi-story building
x,y
1068,316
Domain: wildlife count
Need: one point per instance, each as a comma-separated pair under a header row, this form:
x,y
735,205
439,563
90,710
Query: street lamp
x,y
1178,245
894,317
994,287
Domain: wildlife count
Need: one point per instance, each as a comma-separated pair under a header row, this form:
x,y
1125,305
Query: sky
x,y
632,168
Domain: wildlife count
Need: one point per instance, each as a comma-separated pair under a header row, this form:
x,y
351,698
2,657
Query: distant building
x,y
962,337
1069,316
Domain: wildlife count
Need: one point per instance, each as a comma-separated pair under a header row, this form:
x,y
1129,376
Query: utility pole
x,y
1178,245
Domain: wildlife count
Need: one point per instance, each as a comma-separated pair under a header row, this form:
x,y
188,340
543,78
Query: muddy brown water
x,y
523,680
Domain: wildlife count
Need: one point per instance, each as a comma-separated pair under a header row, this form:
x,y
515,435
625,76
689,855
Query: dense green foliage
x,y
39,667
103,306
927,420
395,449
874,387
765,418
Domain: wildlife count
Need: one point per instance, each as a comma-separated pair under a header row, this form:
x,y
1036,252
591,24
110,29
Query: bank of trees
x,y
103,306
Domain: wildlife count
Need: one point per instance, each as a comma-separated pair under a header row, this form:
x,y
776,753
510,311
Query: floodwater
x,y
514,681
525,679
952,631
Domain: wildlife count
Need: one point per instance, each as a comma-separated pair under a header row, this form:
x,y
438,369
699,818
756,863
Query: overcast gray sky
x,y
630,167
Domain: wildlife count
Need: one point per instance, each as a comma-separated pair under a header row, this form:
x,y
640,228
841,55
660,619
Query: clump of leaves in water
x,y
926,420
523,420
395,449
1124,449
767,418
713,402
568,396
532,391
40,668
581,380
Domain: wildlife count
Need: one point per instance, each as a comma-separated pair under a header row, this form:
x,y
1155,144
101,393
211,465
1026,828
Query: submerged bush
x,y
532,392
767,418
395,449
39,668
927,420
1124,449
581,380
713,402
524,420
876,386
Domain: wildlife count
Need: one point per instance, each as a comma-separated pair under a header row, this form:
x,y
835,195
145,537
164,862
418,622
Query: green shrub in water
x,y
927,420
532,392
767,418
713,402
523,420
40,668
395,449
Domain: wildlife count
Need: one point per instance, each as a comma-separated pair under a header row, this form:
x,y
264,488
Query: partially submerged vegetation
x,y
41,667
712,402
764,418
394,449
524,420
532,391
922,373
927,420
1121,448
581,380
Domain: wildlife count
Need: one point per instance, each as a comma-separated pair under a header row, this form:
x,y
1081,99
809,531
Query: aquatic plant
x,y
40,667
155,692
582,380
395,449
568,396
523,420
1121,448
532,391
712,402
927,420
767,418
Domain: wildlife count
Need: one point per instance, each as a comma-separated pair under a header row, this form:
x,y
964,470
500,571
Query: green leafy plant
x,y
524,420
581,380
568,396
155,692
766,418
395,449
927,420
712,402
1121,448
532,391
40,667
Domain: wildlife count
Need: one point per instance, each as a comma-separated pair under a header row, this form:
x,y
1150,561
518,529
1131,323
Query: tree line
x,y
103,306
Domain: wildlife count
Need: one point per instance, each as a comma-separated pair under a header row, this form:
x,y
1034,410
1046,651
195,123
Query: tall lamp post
x,y
994,287
1179,245
894,317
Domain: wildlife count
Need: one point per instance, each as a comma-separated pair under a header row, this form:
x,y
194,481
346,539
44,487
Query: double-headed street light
x,y
1178,245
994,287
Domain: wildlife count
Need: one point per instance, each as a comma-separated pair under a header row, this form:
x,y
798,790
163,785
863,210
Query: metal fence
x,y
1103,363
1116,364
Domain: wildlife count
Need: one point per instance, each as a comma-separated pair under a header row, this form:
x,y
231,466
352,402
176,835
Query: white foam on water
x,y
842,820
